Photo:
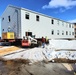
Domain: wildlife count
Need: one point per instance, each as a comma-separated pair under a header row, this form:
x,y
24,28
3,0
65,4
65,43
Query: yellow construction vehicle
x,y
8,35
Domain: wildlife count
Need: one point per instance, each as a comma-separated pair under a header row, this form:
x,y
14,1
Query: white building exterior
x,y
21,20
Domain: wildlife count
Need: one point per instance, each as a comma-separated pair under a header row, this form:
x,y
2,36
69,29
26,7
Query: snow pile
x,y
51,54
62,44
40,54
48,53
33,55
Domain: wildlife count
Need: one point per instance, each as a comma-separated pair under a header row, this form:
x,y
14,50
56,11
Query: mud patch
x,y
64,61
21,67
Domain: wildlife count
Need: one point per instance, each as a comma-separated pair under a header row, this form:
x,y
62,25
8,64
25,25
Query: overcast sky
x,y
62,9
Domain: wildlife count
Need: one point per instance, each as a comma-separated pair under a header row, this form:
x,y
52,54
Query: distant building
x,y
75,29
21,20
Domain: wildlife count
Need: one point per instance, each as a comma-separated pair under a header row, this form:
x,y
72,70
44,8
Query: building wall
x,y
14,22
19,24
44,27
39,28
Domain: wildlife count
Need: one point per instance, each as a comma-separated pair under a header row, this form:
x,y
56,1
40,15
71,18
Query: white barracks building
x,y
21,20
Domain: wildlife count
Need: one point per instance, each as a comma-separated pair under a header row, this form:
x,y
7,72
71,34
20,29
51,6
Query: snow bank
x,y
62,44
40,54
48,53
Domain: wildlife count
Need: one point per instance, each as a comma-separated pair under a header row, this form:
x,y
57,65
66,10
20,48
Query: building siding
x,y
40,28
44,26
14,21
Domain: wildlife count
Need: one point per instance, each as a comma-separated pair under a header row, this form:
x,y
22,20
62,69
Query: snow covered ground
x,y
62,44
48,53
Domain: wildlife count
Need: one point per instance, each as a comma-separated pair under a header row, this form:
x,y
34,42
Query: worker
x,y
43,42
47,41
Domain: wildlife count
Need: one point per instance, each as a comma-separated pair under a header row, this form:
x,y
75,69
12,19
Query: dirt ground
x,y
40,68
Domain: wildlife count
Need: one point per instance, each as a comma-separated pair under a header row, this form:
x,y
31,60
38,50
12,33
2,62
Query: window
x,y
66,32
69,32
58,22
2,19
62,32
66,24
2,29
9,19
27,15
72,33
57,32
52,21
72,26
52,32
37,18
62,23
69,25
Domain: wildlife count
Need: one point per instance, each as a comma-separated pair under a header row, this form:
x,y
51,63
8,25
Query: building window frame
x,y
58,22
69,32
69,25
52,21
57,32
62,32
52,32
2,18
62,23
72,33
9,18
66,32
2,30
66,25
72,26
37,18
27,16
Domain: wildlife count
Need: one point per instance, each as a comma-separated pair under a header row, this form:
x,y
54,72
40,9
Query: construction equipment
x,y
8,38
29,42
8,35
